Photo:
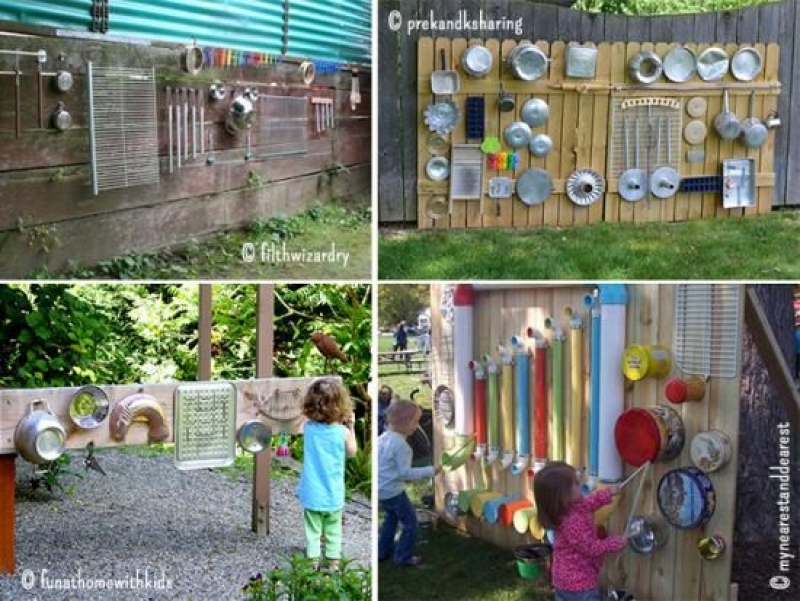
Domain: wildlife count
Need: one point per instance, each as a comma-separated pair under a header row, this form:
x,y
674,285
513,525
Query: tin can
x,y
649,434
711,547
711,450
685,390
646,361
686,497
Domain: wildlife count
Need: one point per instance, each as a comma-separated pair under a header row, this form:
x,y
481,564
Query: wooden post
x,y
204,334
265,309
7,544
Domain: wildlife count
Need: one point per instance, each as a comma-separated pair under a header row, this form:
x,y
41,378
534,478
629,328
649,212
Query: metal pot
x,y
506,102
527,62
535,112
754,131
746,64
241,115
645,67
726,123
39,436
477,61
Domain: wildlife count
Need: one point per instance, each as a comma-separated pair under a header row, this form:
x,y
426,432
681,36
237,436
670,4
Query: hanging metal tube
x,y
522,395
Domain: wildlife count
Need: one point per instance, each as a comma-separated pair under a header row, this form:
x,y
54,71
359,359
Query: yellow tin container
x,y
642,361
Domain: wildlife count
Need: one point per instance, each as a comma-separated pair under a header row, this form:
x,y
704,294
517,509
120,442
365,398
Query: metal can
x,y
649,434
711,450
686,497
646,361
711,547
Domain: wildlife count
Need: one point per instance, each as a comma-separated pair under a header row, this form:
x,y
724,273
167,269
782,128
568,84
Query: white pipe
x,y
507,460
613,300
463,301
492,455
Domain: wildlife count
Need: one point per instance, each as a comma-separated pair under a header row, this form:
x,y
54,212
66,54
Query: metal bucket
x,y
646,361
652,434
686,498
710,450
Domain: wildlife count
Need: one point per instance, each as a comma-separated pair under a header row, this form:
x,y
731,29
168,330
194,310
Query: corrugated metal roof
x,y
336,30
75,14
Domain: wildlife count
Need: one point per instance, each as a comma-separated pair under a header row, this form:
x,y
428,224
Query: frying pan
x,y
754,132
445,81
726,123
442,116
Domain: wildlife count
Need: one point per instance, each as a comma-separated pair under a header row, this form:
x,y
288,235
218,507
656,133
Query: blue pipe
x,y
491,509
522,364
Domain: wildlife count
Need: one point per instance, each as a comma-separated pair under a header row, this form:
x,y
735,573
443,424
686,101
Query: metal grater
x,y
123,127
707,337
284,125
205,425
466,172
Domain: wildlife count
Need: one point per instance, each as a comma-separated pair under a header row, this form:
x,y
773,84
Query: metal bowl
x,y
517,134
89,407
254,436
535,112
746,64
534,186
241,115
645,67
477,61
39,436
540,145
438,168
712,64
436,207
438,144
680,64
527,62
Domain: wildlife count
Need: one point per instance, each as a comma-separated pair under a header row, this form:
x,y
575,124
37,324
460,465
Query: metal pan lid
x,y
746,64
477,61
680,64
527,62
540,145
438,169
712,64
686,497
534,186
535,112
517,134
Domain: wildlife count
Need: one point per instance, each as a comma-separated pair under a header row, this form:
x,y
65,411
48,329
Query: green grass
x,y
220,257
759,247
456,566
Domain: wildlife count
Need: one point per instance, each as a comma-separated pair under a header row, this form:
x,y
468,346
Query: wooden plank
x,y
555,159
747,25
391,198
487,208
732,148
713,153
616,28
166,224
662,28
569,24
545,22
727,26
204,325
768,105
536,214
593,27
569,138
602,112
681,29
612,208
792,162
664,210
632,211
705,28
638,29
425,66
507,207
262,463
409,114
8,562
459,217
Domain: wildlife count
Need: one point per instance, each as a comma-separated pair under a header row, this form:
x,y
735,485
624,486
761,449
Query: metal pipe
x,y
178,125
169,127
202,126
185,125
92,141
194,122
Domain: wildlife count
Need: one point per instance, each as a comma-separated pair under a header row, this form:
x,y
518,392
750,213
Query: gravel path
x,y
191,528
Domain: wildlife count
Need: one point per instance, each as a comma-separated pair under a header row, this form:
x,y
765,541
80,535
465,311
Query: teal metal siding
x,y
335,30
64,14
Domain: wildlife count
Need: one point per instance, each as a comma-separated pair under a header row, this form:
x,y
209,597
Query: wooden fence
x,y
398,158
48,213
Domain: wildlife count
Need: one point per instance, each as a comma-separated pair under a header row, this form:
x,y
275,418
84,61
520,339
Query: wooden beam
x,y
7,541
756,319
265,342
204,334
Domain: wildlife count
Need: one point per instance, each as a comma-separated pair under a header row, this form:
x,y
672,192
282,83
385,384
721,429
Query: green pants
x,y
317,523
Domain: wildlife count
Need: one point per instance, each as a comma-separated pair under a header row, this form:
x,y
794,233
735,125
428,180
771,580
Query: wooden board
x,y
675,572
251,394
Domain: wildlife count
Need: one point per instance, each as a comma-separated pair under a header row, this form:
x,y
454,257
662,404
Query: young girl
x,y
394,469
326,442
577,552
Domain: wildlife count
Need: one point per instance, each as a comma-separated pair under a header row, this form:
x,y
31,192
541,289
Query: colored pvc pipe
x,y
463,302
493,409
557,432
508,510
575,430
613,301
491,510
522,519
479,397
479,500
465,498
506,407
591,301
540,425
522,396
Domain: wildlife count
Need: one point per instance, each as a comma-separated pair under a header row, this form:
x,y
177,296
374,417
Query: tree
x,y
398,302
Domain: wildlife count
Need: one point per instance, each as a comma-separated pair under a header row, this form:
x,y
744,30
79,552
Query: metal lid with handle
x,y
633,181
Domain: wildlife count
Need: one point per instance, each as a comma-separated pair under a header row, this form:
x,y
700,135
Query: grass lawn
x,y
321,229
396,376
456,566
760,247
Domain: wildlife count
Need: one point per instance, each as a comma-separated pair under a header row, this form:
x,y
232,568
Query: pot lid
x,y
540,145
712,64
637,436
680,64
517,134
535,112
746,64
534,186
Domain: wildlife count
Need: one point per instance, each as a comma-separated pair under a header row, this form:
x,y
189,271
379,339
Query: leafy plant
x,y
358,471
53,476
301,580
663,7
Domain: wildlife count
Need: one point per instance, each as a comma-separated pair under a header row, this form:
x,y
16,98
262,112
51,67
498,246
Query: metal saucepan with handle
x,y
726,123
754,131
633,181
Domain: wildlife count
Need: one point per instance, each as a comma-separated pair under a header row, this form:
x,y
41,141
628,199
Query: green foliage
x,y
402,301
358,472
53,476
301,580
663,7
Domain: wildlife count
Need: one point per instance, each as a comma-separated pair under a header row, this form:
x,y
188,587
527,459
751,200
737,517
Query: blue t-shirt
x,y
322,480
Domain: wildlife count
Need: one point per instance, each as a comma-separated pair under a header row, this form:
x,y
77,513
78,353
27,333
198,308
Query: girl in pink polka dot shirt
x,y
577,551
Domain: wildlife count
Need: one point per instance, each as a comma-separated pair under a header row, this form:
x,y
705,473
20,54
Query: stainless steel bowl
x,y
540,145
39,436
477,61
712,64
527,62
438,168
535,112
680,64
89,407
241,115
746,64
517,134
254,436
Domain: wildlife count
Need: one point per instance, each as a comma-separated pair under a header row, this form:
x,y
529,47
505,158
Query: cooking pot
x,y
754,131
39,436
241,116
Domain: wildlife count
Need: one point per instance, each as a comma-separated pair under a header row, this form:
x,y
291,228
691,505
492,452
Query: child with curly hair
x,y
577,551
328,438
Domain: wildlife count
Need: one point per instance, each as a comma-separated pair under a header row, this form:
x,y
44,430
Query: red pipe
x,y
479,388
540,433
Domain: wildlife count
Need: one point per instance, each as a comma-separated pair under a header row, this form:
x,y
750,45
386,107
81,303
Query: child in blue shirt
x,y
326,443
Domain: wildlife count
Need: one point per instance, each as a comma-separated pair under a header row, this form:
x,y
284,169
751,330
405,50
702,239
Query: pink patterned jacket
x,y
578,553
